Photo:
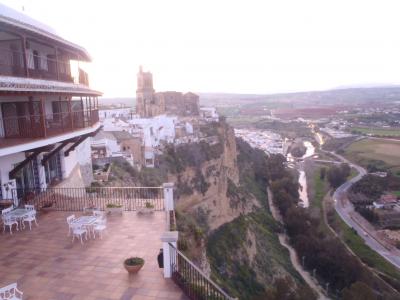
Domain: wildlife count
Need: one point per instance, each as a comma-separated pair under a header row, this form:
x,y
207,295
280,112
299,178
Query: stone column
x,y
172,238
168,196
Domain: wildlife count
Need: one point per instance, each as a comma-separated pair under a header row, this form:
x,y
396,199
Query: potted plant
x,y
148,208
113,208
133,264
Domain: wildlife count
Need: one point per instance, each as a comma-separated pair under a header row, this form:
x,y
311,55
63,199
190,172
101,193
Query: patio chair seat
x,y
9,221
10,292
31,217
79,231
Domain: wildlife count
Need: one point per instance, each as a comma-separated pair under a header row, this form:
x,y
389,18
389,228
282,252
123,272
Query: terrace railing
x,y
195,284
76,199
34,126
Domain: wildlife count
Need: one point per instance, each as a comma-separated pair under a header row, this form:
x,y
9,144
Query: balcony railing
x,y
35,126
76,199
195,284
12,63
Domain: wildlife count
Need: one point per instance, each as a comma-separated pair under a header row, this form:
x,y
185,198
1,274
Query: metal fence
x,y
76,199
195,284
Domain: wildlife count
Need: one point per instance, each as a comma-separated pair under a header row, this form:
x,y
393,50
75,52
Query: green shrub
x,y
113,205
134,261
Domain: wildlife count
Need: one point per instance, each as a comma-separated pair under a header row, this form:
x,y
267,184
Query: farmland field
x,y
377,131
381,153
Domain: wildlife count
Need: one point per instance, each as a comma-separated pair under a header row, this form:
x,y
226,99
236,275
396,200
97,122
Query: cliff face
x,y
222,212
216,174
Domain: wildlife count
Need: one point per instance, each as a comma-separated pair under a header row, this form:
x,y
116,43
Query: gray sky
x,y
230,46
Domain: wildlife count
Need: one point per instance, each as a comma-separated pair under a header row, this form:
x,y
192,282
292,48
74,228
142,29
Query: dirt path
x,y
293,256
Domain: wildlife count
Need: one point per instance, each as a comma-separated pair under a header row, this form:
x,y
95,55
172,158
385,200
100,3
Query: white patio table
x,y
19,214
87,221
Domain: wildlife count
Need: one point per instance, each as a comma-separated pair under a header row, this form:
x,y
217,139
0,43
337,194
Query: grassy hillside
x,y
383,154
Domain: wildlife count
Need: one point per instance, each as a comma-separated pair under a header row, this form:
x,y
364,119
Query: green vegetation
x,y
353,173
388,132
134,261
375,154
290,130
113,205
298,150
176,158
319,188
322,252
336,144
231,265
397,193
337,175
245,255
363,251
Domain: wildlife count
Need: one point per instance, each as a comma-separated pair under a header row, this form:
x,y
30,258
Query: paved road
x,y
345,209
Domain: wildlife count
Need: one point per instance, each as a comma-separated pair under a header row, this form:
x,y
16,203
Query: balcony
x,y
47,265
14,63
22,129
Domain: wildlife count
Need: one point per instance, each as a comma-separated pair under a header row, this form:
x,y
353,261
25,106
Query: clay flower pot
x,y
133,264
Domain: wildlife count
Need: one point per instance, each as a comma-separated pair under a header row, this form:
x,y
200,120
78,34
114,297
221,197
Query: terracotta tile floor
x,y
48,266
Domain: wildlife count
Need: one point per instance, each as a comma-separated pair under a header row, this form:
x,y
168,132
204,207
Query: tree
x,y
285,289
359,291
337,175
322,173
275,166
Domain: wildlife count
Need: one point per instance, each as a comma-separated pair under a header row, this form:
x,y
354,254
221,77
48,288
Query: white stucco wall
x,y
6,165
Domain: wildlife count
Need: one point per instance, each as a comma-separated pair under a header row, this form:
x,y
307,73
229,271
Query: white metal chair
x,y
29,207
100,226
6,210
78,231
30,217
10,292
70,220
9,221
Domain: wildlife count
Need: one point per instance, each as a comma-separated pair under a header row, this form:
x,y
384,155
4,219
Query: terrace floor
x,y
47,265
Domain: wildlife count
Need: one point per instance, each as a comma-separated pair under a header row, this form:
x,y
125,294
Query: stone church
x,y
150,104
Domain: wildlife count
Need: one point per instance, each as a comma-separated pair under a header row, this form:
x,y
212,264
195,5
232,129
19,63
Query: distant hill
x,y
341,96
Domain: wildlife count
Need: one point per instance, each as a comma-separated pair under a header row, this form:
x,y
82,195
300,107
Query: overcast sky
x,y
230,46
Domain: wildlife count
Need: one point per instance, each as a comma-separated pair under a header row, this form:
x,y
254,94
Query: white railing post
x,y
166,238
168,196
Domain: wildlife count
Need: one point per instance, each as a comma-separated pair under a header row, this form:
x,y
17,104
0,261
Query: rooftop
x,y
47,265
16,84
18,19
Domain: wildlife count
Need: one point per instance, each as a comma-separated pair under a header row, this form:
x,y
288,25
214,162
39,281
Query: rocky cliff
x,y
222,212
210,172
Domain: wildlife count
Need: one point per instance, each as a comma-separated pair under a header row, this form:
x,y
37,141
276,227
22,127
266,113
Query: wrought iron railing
x,y
194,283
76,199
34,126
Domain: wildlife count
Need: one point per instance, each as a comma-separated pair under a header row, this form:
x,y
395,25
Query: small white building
x,y
104,144
209,113
125,112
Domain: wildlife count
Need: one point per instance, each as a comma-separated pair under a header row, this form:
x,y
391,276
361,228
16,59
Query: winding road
x,y
345,210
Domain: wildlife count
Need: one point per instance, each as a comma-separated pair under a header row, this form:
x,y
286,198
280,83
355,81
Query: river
x,y
303,195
